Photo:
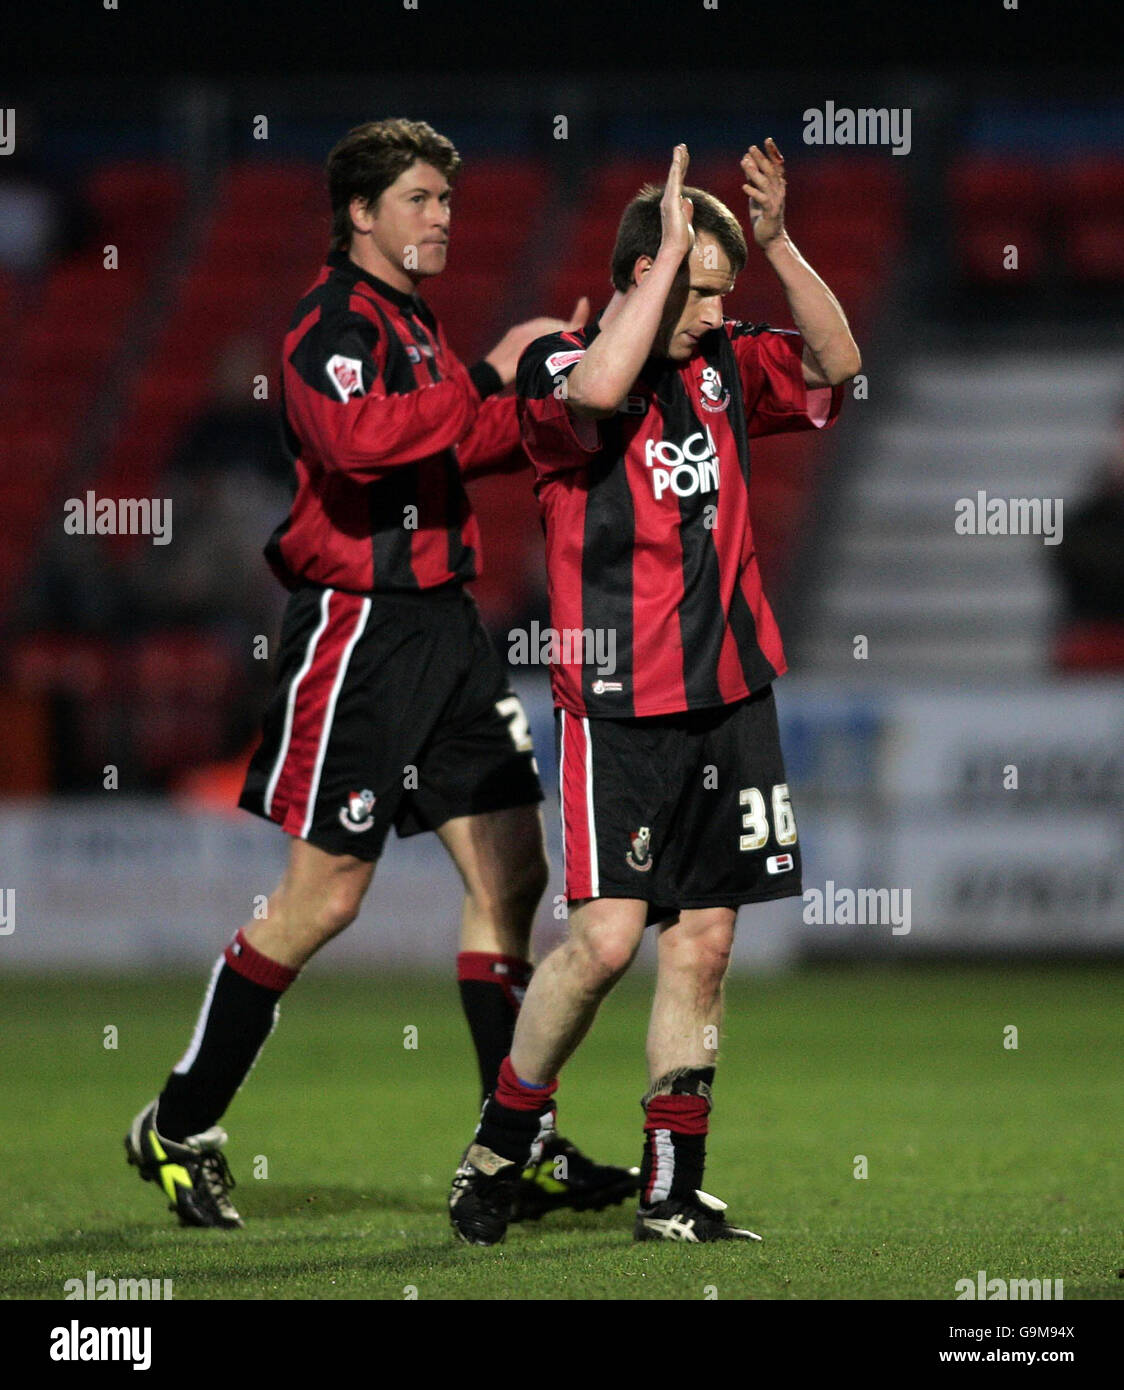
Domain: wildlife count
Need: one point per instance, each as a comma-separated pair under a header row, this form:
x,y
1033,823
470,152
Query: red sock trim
x,y
255,967
493,969
518,1095
680,1114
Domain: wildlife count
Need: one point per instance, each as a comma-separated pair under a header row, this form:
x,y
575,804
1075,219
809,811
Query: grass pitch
x,y
978,1156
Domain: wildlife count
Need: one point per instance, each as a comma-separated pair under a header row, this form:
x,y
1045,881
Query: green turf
x,y
979,1157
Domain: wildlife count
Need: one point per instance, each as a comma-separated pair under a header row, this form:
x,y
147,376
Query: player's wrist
x,y
486,377
669,257
778,245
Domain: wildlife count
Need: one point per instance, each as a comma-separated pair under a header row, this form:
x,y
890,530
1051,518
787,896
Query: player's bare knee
x,y
703,948
341,907
604,954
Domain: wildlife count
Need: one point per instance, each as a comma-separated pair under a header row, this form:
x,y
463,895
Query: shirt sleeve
x,y
339,406
554,440
492,445
777,401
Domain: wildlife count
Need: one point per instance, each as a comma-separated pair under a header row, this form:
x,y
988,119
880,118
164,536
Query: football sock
x,y
239,1012
676,1117
517,1118
491,988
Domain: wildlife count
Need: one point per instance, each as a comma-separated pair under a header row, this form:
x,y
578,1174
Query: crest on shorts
x,y
346,375
712,395
356,815
639,857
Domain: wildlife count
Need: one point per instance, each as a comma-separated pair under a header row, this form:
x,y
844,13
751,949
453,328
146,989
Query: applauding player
x,y
392,706
674,802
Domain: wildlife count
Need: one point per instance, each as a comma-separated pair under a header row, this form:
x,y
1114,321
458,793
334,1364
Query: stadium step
x,y
932,600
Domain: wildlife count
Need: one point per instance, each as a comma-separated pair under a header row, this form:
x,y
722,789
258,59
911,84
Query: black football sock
x,y
517,1118
676,1119
492,989
238,1014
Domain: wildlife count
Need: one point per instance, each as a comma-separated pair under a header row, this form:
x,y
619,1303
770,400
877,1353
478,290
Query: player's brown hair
x,y
371,156
640,231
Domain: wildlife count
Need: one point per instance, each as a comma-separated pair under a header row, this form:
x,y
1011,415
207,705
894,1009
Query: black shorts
x,y
389,709
682,810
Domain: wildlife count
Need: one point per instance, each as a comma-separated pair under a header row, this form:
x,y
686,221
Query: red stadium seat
x,y
1094,252
135,186
184,683
275,190
1090,646
1092,191
1093,186
61,662
998,203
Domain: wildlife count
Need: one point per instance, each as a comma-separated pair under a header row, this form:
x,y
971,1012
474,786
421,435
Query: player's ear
x,y
641,268
362,213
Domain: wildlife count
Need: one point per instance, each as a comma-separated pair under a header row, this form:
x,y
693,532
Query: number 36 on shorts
x,y
755,818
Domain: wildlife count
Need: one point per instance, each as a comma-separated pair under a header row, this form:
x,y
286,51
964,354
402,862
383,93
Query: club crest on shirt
x,y
346,375
356,815
639,857
712,395
557,360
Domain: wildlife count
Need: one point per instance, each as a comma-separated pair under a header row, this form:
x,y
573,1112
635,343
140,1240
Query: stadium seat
x,y
184,683
996,203
1090,646
54,663
1093,195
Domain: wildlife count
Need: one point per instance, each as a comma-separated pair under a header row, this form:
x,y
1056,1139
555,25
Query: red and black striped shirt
x,y
381,424
648,536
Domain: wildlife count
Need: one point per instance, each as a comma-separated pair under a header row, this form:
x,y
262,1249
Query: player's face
x,y
694,306
410,225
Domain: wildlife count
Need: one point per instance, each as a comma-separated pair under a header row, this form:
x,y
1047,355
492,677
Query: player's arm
x,y
831,355
492,445
604,376
337,401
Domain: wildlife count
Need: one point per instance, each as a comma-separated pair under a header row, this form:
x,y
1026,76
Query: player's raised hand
x,y
764,173
504,357
677,212
579,317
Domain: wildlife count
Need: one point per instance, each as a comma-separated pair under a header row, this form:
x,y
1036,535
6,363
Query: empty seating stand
x,y
59,355
999,201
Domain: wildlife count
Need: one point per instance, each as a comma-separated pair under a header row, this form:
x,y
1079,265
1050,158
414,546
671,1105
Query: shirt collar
x,y
342,262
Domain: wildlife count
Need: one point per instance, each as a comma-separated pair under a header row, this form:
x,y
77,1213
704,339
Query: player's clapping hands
x,y
764,172
676,212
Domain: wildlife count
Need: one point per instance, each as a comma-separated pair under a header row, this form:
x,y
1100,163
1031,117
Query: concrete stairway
x,y
934,604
